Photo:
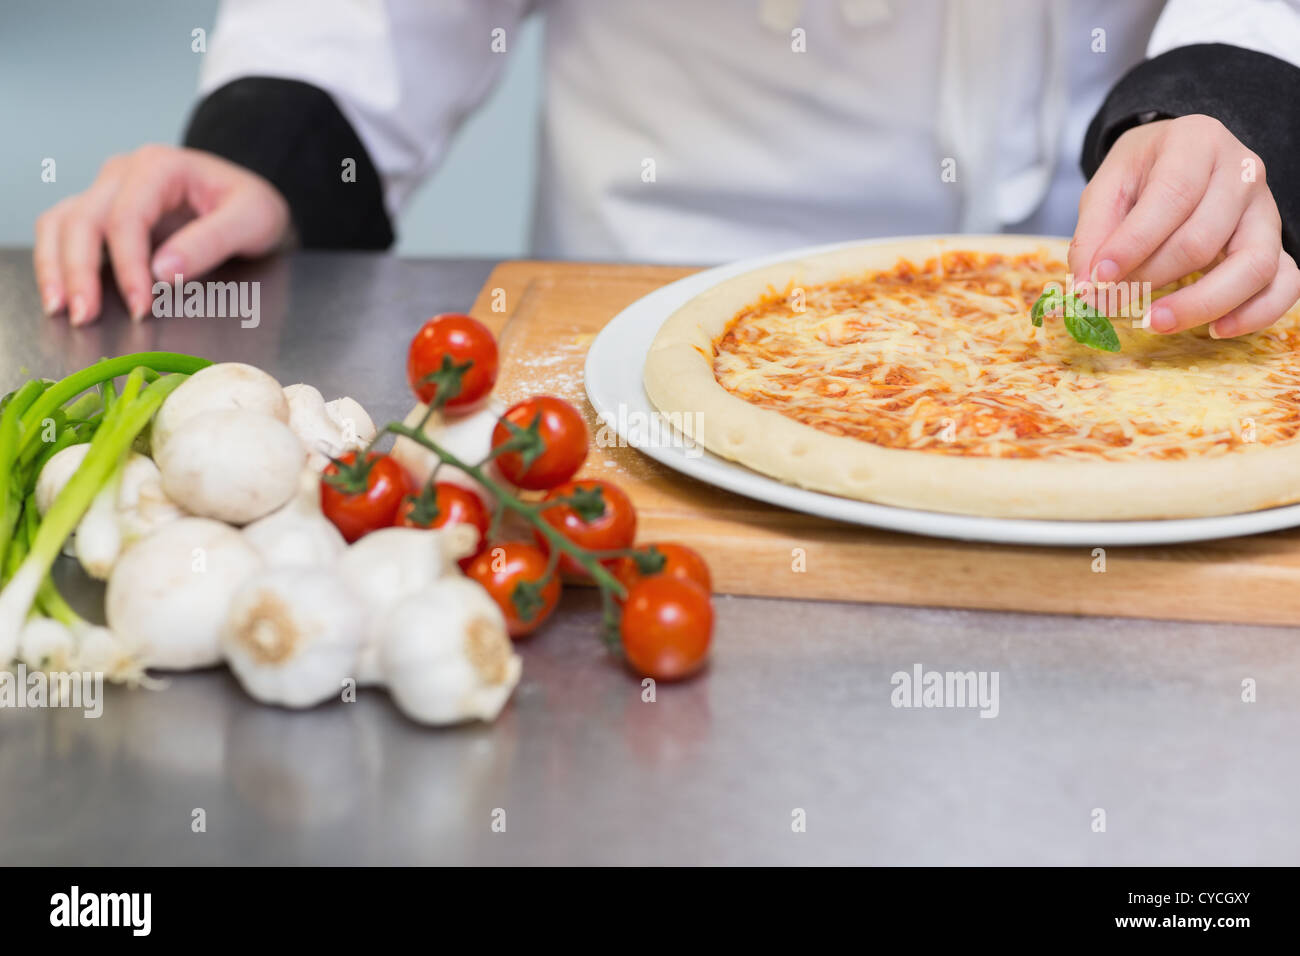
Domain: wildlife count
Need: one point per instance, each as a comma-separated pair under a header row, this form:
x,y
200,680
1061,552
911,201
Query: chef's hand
x,y
235,212
1168,199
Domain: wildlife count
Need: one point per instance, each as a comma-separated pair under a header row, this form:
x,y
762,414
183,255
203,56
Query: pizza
x,y
908,373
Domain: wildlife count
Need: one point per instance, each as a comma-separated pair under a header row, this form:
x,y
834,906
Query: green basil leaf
x,y
1087,327
1049,301
1085,324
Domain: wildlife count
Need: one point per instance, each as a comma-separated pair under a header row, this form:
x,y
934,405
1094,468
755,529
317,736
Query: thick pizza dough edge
x,y
680,383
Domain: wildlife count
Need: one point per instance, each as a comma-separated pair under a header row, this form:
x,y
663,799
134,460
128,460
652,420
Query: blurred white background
x,y
83,79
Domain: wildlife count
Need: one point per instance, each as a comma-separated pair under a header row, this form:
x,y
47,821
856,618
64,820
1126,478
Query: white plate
x,y
614,385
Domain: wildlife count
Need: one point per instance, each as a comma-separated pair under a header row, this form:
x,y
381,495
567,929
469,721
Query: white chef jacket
x,y
706,130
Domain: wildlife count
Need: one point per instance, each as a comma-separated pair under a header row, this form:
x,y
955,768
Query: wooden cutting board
x,y
546,315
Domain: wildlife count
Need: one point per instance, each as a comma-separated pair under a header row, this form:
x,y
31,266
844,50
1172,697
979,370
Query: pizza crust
x,y
680,382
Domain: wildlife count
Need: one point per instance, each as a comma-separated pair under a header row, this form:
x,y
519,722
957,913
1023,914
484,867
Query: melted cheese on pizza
x,y
942,358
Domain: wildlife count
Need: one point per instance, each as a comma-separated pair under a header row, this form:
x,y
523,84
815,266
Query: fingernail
x,y
1224,328
137,305
166,266
52,300
1107,271
78,312
1162,318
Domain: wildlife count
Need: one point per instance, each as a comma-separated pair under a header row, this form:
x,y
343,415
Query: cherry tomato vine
x,y
656,610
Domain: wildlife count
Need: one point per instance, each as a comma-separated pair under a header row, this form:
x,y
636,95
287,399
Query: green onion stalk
x,y
110,422
11,430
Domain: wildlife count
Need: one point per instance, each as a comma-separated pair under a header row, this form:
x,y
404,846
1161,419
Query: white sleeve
x,y
404,73
1265,26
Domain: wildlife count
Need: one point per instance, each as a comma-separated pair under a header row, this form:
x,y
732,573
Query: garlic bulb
x,y
298,533
391,563
169,592
467,436
293,635
446,655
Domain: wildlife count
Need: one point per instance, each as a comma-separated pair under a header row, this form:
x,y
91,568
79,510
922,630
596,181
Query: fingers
x,y
199,245
70,246
1264,308
246,221
1105,202
1193,202
152,187
1251,265
239,212
1172,191
45,258
81,256
1199,240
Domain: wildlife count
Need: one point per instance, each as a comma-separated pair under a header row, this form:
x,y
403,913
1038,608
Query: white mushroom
x,y
446,655
235,466
169,592
225,386
354,422
312,424
326,430
293,635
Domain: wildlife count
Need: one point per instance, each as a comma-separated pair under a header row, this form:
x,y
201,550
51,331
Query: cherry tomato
x,y
362,497
563,435
447,504
615,528
678,561
666,627
461,339
509,572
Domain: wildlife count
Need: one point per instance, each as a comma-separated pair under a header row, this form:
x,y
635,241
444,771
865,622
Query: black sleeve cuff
x,y
293,135
1252,94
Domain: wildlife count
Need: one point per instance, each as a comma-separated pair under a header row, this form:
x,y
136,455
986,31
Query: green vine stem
x,y
506,500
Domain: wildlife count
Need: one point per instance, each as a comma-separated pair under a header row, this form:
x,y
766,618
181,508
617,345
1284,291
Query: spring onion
x,y
130,413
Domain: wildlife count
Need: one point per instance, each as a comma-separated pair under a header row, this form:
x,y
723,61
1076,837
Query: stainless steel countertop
x,y
1143,719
